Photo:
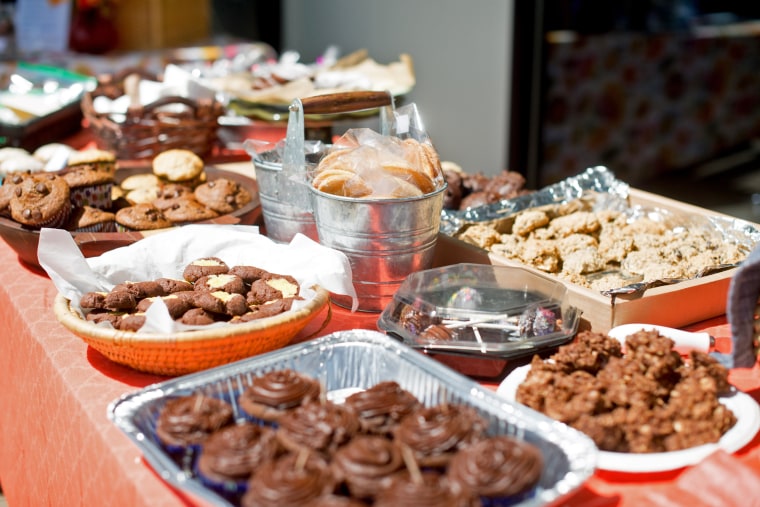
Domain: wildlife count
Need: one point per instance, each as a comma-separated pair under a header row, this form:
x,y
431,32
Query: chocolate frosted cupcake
x,y
500,470
276,393
186,422
382,406
293,479
229,456
428,489
40,200
434,434
90,175
366,464
318,427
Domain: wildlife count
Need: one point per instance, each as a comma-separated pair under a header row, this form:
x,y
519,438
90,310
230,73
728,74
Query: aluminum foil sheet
x,y
610,193
349,361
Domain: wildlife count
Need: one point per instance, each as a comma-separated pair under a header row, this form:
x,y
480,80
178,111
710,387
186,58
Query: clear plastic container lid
x,y
480,309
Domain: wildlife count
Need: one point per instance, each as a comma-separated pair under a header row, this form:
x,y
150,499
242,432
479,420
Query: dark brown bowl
x,y
24,241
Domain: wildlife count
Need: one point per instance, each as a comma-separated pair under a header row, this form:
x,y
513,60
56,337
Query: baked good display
x,y
498,470
207,294
603,249
581,386
317,454
40,200
391,169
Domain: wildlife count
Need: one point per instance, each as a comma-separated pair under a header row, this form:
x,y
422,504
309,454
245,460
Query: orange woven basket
x,y
190,351
148,130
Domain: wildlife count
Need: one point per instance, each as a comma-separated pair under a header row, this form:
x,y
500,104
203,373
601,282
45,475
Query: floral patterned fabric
x,y
642,104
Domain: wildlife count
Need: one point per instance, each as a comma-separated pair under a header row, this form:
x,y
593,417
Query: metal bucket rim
x,y
385,200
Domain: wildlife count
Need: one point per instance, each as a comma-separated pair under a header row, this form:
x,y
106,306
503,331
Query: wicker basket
x,y
191,351
150,129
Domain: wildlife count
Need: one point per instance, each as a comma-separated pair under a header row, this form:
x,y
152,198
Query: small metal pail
x,y
283,186
282,219
385,240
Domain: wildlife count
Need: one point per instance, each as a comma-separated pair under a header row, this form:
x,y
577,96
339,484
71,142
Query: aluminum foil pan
x,y
348,361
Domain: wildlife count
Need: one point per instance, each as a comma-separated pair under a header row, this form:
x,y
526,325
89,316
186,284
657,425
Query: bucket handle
x,y
344,102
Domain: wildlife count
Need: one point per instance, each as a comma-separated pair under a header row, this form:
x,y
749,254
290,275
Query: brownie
x,y
222,195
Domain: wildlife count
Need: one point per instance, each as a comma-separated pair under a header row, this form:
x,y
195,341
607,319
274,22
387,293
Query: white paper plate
x,y
744,407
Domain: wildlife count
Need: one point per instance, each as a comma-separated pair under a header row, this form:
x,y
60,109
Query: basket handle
x,y
344,102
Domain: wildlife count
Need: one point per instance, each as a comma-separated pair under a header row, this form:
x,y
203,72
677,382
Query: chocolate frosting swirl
x,y
281,389
433,433
290,480
497,467
366,463
321,427
235,451
191,419
382,406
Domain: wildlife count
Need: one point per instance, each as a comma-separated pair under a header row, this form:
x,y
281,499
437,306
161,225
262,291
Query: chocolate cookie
x,y
225,282
222,195
221,302
132,322
141,290
187,209
198,317
249,274
94,299
203,267
261,292
176,305
172,285
98,316
142,217
269,309
171,193
41,200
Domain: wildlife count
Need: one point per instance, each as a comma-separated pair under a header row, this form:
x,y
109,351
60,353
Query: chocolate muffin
x,y
317,427
40,200
366,464
293,479
90,175
189,420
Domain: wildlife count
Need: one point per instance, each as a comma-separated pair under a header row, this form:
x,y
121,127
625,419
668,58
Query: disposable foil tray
x,y
346,362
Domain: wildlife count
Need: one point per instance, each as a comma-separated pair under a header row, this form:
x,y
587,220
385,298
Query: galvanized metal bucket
x,y
283,187
385,240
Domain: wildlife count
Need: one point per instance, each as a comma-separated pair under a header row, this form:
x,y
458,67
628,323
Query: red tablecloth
x,y
57,446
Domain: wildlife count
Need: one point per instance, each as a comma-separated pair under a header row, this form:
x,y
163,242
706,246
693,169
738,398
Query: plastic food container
x,y
480,309
346,362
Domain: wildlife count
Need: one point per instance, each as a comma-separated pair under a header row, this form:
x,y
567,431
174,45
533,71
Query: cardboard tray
x,y
672,305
